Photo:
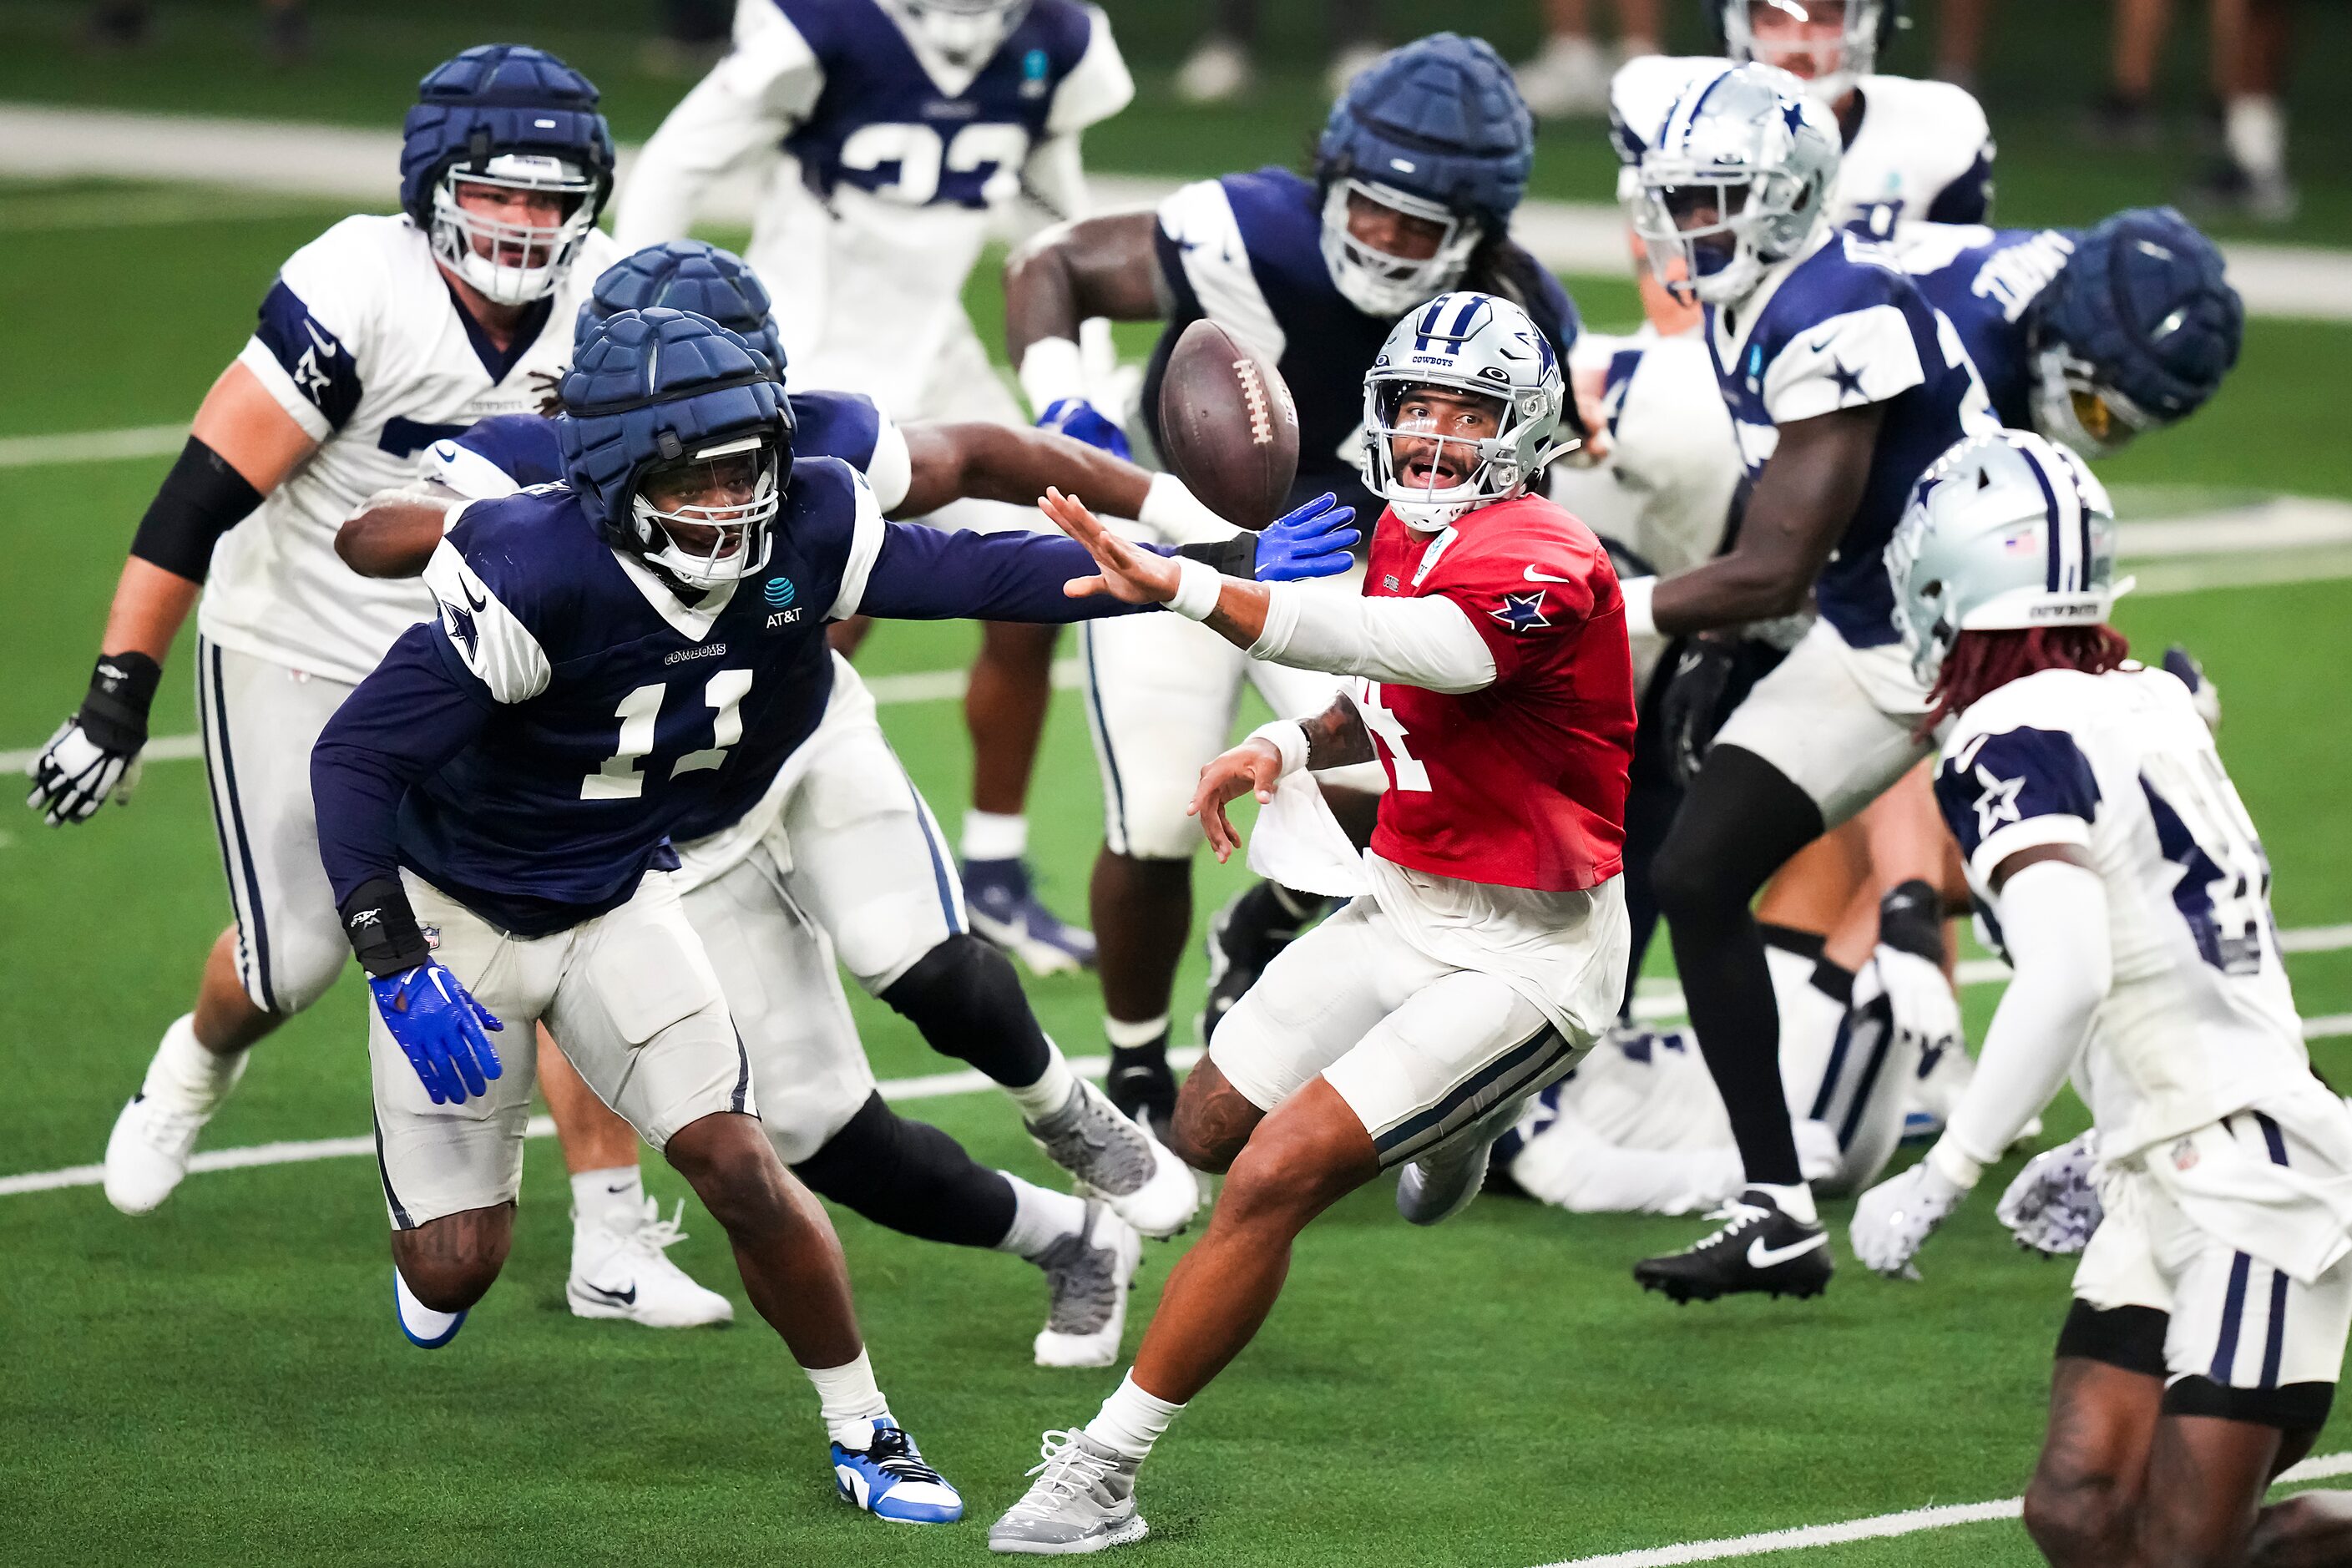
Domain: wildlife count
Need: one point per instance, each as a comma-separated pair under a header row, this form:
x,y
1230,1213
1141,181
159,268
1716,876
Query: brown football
x,y
1228,428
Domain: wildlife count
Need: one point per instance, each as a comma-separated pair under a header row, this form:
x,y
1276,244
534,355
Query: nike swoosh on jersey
x,y
1536,577
483,603
1762,1257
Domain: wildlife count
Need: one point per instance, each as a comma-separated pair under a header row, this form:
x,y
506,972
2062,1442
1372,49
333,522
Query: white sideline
x,y
1658,1000
1879,1527
347,163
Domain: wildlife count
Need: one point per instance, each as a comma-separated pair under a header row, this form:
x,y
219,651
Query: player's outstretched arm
x,y
1334,738
1107,266
1802,504
2052,909
242,446
394,533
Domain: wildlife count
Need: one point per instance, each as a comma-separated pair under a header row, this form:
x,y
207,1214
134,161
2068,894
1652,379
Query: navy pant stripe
x,y
1862,1088
2274,1140
205,723
1526,1059
1837,1064
939,860
257,923
1102,735
742,1075
383,1174
2233,1308
2277,1346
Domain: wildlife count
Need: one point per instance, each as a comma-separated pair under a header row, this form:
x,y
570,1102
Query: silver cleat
x,y
1082,1500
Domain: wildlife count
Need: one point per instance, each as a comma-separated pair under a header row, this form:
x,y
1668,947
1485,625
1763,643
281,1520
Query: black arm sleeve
x,y
202,498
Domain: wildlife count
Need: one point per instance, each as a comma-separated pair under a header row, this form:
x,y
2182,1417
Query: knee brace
x,y
965,998
912,1178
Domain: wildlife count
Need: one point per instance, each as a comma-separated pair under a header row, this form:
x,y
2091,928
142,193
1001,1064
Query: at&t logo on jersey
x,y
780,593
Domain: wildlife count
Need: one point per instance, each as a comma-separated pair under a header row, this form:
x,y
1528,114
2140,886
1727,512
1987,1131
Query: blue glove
x,y
1082,421
440,1026
1311,541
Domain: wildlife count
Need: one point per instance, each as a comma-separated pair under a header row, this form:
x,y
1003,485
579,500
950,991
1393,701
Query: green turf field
x,y
220,1383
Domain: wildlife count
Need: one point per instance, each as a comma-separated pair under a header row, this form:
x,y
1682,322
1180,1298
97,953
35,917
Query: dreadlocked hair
x,y
1982,662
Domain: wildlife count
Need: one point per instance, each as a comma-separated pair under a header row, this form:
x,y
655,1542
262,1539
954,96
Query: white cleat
x,y
1082,1500
622,1271
1120,1162
1435,1188
1090,1271
148,1151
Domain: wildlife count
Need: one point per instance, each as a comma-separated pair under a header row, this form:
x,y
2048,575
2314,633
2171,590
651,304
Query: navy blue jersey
x,y
1840,328
1246,251
1986,281
881,122
523,448
534,749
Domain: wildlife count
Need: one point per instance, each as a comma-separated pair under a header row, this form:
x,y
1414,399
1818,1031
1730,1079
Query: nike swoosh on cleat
x,y
618,1298
1762,1257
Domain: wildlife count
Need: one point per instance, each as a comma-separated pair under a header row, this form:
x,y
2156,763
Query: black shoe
x,y
1760,1249
1141,1086
1246,935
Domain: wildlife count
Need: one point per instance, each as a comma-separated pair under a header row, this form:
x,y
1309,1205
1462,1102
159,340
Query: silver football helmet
x,y
2005,531
1863,24
1735,179
1471,344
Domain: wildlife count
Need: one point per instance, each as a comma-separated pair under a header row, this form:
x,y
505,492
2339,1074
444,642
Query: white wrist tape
x,y
1050,370
1198,587
1288,737
1177,515
1955,1164
1639,622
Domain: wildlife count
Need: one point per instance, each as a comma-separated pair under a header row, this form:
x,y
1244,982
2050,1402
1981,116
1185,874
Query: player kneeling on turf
x,y
1487,947
2116,865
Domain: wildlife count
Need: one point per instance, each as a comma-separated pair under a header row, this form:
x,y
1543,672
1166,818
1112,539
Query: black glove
x,y
94,755
1691,709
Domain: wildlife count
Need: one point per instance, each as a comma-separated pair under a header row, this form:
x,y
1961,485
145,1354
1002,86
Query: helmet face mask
x,y
1384,282
2072,405
968,32
2005,531
704,515
1461,409
1734,180
1795,35
510,262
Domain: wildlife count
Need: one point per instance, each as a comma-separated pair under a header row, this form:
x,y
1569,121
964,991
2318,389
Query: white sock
x,y
995,835
849,1401
422,1320
599,1197
2255,130
1050,1092
1040,1218
183,1071
1127,1035
1796,1202
1131,1420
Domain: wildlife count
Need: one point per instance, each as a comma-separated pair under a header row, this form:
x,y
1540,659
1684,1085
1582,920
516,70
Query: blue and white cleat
x,y
424,1327
889,1480
1006,913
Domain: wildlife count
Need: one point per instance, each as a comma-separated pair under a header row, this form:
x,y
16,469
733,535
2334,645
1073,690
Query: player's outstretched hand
x,y
2054,1205
1130,575
1254,767
1896,1218
1311,540
440,1026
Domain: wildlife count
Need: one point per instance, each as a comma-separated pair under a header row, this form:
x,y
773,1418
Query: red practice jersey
x,y
1521,784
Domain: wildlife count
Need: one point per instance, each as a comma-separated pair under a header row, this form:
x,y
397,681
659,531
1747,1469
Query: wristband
x,y
1910,921
1954,1165
121,688
1050,370
1639,622
383,928
1288,737
1198,588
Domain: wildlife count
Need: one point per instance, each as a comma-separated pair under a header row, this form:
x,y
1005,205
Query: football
x,y
1228,427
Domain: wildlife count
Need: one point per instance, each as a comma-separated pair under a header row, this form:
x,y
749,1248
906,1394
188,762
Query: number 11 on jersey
x,y
621,779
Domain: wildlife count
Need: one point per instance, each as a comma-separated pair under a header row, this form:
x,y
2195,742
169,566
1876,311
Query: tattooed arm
x,y
1331,739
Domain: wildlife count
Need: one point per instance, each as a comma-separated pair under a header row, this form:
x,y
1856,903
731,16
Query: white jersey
x,y
1919,151
2200,1022
361,341
886,168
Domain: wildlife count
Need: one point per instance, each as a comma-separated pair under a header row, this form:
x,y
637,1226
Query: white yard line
x,y
1879,1527
347,165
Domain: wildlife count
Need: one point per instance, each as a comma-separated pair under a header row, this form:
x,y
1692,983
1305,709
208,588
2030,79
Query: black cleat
x,y
1760,1248
1142,1085
1246,935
